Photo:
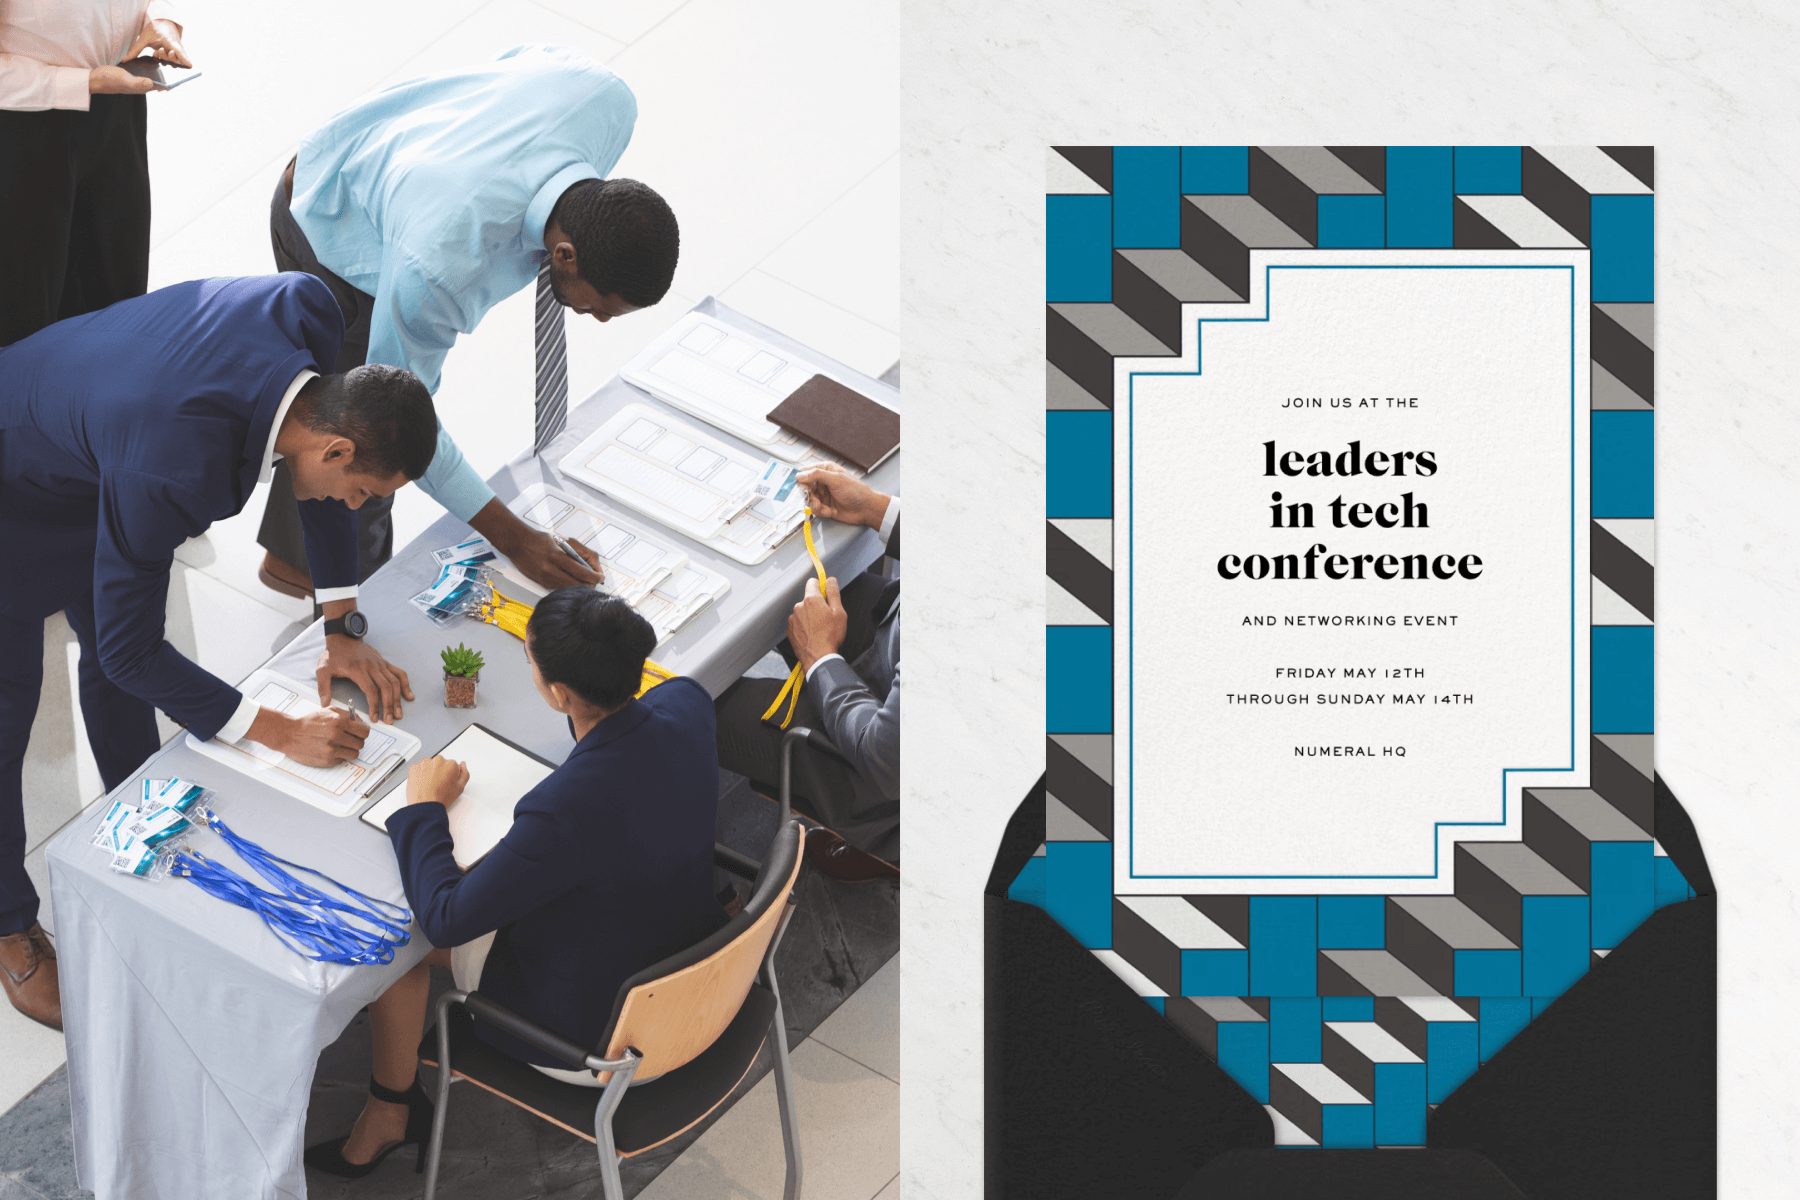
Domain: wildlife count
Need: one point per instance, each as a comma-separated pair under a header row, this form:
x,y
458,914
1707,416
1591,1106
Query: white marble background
x,y
987,85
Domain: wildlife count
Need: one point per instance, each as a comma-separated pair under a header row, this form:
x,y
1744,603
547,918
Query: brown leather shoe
x,y
282,578
837,859
28,973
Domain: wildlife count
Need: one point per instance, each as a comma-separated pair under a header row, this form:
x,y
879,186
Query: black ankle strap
x,y
389,1095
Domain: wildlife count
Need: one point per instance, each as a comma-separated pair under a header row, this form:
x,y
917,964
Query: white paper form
x,y
728,378
686,480
632,563
499,776
339,790
652,576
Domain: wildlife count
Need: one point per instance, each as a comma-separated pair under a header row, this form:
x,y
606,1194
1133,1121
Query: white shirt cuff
x,y
71,89
819,662
327,595
889,519
239,725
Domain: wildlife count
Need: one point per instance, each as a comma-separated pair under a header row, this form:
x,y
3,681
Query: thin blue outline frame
x,y
1131,554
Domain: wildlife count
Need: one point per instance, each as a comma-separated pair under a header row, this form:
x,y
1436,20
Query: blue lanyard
x,y
310,922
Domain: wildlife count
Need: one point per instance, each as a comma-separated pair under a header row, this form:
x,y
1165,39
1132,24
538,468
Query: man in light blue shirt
x,y
425,204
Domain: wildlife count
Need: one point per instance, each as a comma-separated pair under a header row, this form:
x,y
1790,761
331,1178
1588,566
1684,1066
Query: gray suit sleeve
x,y
865,729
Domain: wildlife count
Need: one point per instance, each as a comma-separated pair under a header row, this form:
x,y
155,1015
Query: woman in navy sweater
x,y
607,867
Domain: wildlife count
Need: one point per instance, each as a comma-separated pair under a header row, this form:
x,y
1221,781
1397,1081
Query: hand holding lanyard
x,y
790,691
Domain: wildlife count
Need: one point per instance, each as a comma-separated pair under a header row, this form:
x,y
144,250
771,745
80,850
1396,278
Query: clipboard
x,y
500,773
339,790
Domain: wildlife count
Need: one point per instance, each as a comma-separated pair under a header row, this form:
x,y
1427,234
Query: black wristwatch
x,y
352,624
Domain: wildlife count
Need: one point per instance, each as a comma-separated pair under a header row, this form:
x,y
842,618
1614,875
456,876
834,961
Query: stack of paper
x,y
340,789
651,575
686,480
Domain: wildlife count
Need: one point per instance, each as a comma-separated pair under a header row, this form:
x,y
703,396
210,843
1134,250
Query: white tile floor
x,y
773,131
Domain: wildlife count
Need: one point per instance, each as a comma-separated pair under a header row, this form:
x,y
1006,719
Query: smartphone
x,y
152,69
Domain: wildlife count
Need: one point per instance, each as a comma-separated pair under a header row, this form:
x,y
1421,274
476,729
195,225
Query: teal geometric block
x,y
1555,943
1420,196
1487,171
1348,1127
1078,249
1078,669
1348,1008
1296,1029
1244,1055
1452,1052
1146,196
1031,881
1078,892
1623,240
1215,170
1623,458
1622,889
1539,1004
1671,884
1501,1020
1488,973
1078,464
1157,1003
1399,1104
1215,973
1352,222
1352,922
1284,946
1623,678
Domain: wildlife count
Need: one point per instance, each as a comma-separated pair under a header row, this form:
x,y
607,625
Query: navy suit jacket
x,y
607,869
127,431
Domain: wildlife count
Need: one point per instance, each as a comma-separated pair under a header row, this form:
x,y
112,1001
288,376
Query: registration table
x,y
192,1032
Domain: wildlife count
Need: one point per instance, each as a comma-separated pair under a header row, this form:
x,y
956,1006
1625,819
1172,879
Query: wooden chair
x,y
684,1032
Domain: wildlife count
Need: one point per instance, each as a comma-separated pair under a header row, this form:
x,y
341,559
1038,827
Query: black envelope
x,y
1609,1092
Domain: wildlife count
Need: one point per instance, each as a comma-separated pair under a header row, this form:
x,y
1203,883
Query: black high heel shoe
x,y
329,1156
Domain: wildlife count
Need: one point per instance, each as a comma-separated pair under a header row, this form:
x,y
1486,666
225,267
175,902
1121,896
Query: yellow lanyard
x,y
512,616
790,691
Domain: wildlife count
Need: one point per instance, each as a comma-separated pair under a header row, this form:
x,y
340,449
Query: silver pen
x,y
569,550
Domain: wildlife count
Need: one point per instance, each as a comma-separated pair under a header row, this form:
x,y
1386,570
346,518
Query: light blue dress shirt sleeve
x,y
413,325
432,194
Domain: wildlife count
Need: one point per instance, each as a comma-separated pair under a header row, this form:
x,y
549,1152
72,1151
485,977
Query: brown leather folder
x,y
840,421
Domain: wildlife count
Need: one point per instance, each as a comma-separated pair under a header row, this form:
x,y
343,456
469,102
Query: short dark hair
x,y
592,642
625,237
387,412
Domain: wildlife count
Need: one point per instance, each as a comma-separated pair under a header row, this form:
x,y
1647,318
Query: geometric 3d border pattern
x,y
1348,1016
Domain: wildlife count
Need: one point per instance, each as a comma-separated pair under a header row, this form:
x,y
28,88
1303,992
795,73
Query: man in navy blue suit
x,y
127,431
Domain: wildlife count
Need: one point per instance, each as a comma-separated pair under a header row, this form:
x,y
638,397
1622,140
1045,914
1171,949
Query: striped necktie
x,y
552,364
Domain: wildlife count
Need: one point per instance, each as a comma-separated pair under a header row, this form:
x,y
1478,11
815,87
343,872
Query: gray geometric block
x,y
1218,232
1368,973
1425,932
1410,1018
1150,932
1074,782
1062,825
1300,1092
1151,286
1352,1049
1493,878
1062,394
1083,340
1199,1017
1562,825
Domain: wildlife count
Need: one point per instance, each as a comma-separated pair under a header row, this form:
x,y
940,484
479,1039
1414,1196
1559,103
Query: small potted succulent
x,y
462,668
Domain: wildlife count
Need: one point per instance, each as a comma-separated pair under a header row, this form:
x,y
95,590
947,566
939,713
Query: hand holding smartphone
x,y
152,69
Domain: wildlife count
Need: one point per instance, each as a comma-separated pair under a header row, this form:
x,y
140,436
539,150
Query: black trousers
x,y
74,212
822,785
280,533
121,729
